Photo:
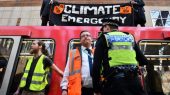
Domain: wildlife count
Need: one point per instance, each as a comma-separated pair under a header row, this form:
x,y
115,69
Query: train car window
x,y
74,43
23,58
160,17
158,70
5,50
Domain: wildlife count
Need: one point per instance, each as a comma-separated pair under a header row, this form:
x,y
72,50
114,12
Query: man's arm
x,y
64,82
140,56
17,91
49,63
98,56
54,67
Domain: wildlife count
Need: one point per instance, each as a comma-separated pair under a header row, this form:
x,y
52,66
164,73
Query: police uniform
x,y
116,58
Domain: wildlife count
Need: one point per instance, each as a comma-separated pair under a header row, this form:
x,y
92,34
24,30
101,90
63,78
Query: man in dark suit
x,y
139,12
45,13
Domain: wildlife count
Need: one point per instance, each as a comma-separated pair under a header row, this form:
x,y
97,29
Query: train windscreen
x,y
6,45
157,78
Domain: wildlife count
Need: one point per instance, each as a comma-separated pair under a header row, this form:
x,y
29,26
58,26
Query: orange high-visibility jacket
x,y
74,79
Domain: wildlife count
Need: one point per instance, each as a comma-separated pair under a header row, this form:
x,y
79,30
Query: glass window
x,y
158,70
5,50
23,58
167,23
157,22
160,18
155,14
74,43
164,14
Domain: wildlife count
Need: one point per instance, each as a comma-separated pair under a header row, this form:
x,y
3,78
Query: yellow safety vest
x,y
121,49
39,78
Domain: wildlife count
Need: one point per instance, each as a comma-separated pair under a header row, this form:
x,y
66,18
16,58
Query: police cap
x,y
110,22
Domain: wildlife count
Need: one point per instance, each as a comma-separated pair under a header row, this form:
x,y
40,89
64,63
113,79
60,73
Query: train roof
x,y
73,31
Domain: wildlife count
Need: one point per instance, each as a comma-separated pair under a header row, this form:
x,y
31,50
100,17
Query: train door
x,y
157,73
20,63
8,50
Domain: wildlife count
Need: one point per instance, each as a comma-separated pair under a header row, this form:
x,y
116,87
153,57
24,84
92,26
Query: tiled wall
x,y
148,2
38,2
20,16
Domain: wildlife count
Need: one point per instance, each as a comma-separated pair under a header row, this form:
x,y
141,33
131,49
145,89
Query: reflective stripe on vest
x,y
74,84
75,62
121,50
39,78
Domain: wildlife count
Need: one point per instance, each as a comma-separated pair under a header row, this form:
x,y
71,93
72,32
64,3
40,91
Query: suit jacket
x,y
45,8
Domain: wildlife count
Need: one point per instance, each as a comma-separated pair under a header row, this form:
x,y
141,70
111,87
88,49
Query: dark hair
x,y
111,27
44,50
83,32
113,24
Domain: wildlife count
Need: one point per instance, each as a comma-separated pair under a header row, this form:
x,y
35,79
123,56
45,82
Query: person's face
x,y
35,47
86,39
106,28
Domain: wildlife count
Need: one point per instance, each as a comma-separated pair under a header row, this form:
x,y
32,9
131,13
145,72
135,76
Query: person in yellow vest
x,y
34,79
77,78
116,57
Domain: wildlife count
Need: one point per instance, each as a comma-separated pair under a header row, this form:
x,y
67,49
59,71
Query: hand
x,y
51,2
64,92
16,93
133,2
41,17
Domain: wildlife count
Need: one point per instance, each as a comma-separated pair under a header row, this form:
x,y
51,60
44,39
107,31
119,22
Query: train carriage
x,y
15,44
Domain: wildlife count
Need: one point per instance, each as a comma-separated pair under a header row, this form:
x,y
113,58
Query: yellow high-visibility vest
x,y
121,49
39,78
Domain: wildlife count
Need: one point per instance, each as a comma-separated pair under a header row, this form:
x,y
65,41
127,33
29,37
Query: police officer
x,y
116,57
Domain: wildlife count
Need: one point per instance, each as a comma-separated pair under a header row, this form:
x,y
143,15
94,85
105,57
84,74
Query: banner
x,y
90,14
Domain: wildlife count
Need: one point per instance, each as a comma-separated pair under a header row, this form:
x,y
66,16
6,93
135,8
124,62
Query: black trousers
x,y
139,17
123,86
87,91
45,21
